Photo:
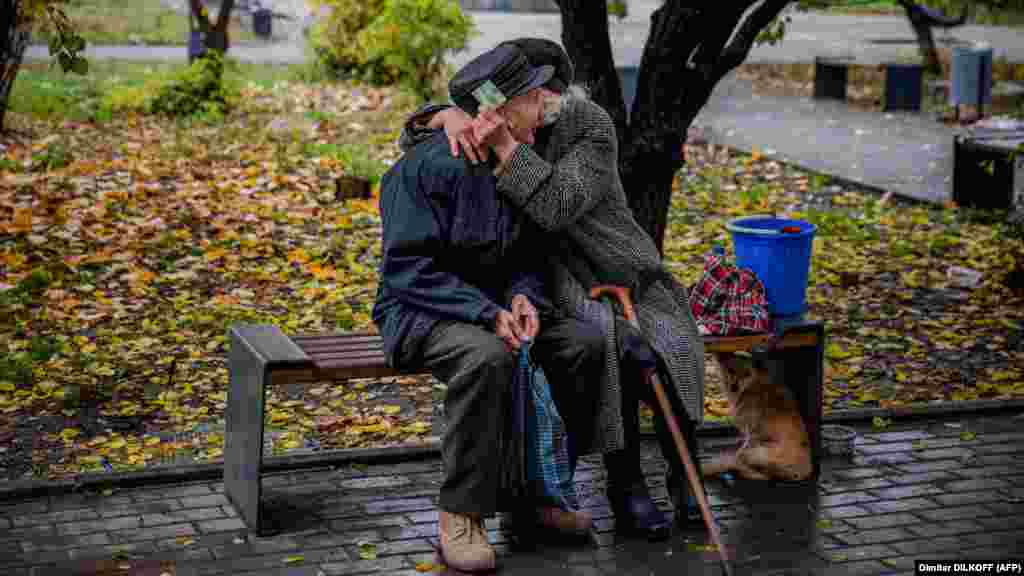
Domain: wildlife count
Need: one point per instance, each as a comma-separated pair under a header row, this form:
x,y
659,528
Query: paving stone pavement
x,y
941,488
909,154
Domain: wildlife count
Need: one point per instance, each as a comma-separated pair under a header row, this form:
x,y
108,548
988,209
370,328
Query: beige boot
x,y
464,542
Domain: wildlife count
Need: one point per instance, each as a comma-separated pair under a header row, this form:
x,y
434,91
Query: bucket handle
x,y
756,231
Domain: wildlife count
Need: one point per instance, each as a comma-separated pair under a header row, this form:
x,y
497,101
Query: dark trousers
x,y
637,362
478,370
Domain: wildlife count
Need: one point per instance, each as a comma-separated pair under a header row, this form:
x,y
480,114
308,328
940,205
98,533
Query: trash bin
x,y
830,74
196,44
988,173
261,23
778,250
903,86
971,76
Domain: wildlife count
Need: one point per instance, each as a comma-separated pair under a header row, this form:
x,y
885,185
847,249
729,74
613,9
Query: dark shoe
x,y
565,522
548,521
687,512
635,513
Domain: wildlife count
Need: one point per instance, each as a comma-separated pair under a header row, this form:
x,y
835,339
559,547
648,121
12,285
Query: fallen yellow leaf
x,y
22,221
834,351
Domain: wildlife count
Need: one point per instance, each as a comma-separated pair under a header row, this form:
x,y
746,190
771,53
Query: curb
x,y
903,414
188,473
393,454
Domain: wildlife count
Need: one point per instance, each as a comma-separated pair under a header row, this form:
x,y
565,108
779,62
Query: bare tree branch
x,y
197,11
721,24
224,16
738,50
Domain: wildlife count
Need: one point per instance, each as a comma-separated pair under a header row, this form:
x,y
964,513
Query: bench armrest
x,y
269,344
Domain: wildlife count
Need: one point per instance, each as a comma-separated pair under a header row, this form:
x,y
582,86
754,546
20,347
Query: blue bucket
x,y
778,250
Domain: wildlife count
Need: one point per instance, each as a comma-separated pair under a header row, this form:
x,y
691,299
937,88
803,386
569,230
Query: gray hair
x,y
554,103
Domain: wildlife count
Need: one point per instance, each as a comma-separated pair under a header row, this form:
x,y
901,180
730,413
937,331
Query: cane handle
x,y
620,293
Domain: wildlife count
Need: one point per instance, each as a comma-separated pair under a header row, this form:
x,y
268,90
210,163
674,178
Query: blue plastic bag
x,y
549,469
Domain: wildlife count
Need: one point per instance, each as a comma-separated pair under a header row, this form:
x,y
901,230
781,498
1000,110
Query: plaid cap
x,y
506,67
543,52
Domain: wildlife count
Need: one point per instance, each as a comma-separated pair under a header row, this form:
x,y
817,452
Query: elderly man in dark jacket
x,y
461,284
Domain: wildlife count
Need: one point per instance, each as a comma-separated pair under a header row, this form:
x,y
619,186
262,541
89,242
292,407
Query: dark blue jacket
x,y
453,249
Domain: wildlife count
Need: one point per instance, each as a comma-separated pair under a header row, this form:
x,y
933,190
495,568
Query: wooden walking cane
x,y
622,294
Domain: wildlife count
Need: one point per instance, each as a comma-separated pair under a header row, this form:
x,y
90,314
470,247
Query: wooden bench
x,y
261,356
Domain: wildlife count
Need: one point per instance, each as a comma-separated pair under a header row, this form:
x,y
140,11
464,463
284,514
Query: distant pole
x,y
191,31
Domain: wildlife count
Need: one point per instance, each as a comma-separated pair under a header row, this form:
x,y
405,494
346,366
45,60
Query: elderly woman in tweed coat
x,y
564,176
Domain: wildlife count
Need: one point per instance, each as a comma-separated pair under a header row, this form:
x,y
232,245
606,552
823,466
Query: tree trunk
x,y
14,37
689,50
925,39
215,33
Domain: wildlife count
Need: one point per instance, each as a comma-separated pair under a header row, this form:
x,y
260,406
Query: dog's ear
x,y
743,362
735,364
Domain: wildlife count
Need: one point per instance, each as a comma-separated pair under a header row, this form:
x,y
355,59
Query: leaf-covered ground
x,y
128,248
902,327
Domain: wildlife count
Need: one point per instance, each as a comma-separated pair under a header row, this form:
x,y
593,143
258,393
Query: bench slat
x,y
329,347
341,336
364,356
360,355
336,369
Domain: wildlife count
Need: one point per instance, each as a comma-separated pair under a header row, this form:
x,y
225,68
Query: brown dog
x,y
775,443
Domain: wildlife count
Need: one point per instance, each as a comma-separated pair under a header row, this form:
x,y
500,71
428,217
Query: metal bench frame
x,y
262,356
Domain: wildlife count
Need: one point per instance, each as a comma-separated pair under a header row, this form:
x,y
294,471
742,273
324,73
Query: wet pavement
x,y
948,487
907,153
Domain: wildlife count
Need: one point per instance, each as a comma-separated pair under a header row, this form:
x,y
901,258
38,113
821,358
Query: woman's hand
x,y
491,129
458,126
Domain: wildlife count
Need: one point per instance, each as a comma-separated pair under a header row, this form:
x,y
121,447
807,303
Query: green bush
x,y
412,36
392,41
199,90
335,37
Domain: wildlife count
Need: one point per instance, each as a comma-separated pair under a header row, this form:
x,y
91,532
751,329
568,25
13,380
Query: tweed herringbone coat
x,y
571,186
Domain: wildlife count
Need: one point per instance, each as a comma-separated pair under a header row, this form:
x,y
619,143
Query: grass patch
x,y
137,22
45,92
866,7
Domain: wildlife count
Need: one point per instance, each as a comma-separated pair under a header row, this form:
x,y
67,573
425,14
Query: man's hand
x,y
526,315
458,126
506,328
